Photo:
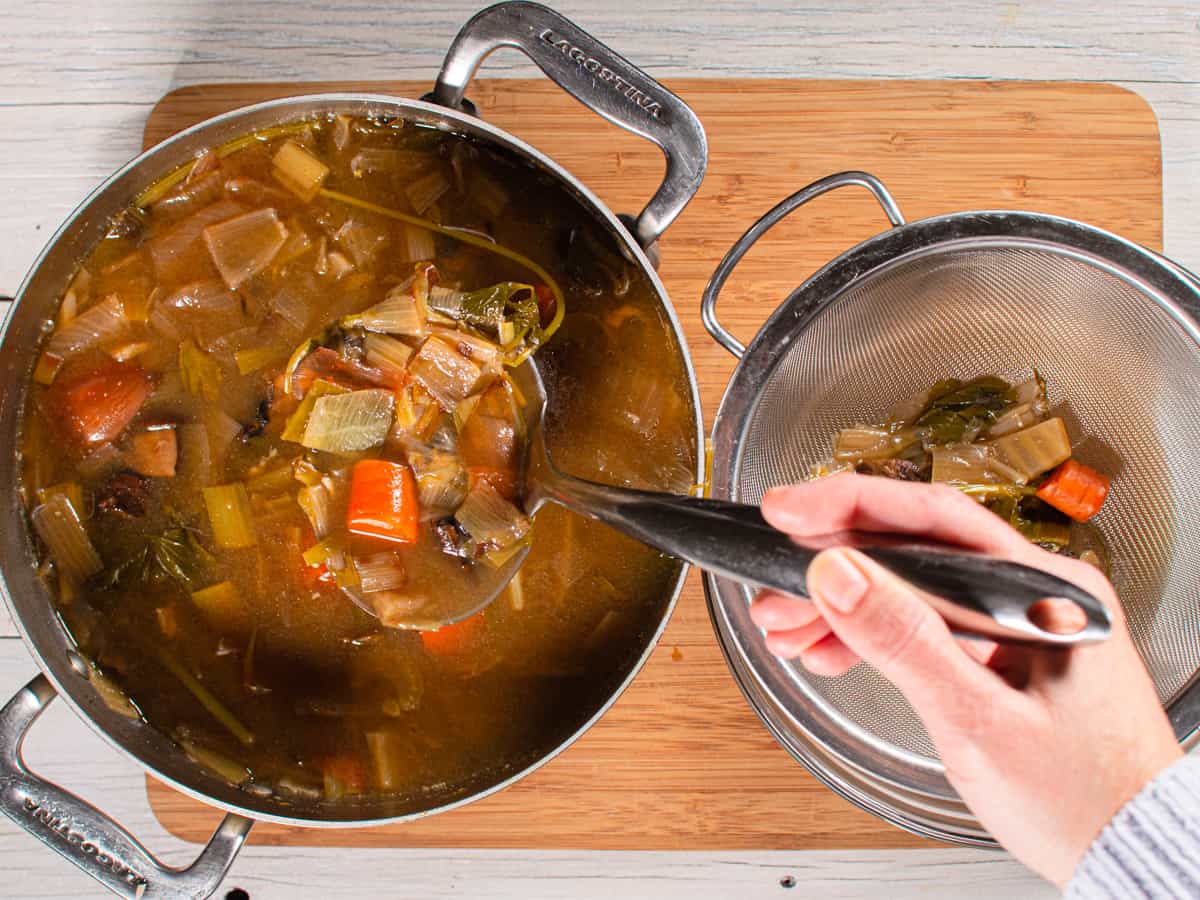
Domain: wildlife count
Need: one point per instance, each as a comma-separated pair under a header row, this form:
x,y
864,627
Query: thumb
x,y
885,621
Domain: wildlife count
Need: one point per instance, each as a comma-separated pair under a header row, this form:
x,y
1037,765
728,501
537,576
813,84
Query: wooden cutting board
x,y
681,762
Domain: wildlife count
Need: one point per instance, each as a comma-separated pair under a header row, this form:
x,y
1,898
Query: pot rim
x,y
300,106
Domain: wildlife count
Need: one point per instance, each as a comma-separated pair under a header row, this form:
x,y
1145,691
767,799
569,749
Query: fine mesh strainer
x,y
1108,323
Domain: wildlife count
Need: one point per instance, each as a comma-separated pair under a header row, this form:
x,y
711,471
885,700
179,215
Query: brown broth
x,y
336,703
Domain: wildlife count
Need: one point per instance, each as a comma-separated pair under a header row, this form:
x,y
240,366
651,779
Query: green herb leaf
x,y
176,554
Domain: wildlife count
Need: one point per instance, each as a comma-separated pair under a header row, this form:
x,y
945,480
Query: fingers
x,y
829,657
795,630
795,642
773,611
867,503
881,619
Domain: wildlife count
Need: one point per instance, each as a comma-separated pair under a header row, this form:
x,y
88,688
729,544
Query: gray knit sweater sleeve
x,y
1151,848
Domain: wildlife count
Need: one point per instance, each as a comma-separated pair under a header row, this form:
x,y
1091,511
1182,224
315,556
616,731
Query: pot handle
x,y
86,836
598,78
708,305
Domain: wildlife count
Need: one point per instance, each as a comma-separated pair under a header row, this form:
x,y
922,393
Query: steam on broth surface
x,y
276,395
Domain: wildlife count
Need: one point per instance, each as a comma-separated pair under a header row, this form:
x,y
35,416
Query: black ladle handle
x,y
976,595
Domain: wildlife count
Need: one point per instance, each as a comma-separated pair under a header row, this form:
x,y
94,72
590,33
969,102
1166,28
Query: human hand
x,y
1044,745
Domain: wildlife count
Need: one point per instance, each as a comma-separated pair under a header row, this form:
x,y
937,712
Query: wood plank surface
x,y
680,762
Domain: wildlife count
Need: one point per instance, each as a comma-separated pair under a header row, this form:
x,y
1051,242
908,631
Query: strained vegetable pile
x,y
995,441
277,394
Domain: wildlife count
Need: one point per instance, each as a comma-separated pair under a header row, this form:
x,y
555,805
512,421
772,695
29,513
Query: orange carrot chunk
x,y
383,501
95,408
1075,489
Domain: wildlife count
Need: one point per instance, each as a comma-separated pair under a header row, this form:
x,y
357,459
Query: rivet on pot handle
x,y
708,305
600,79
87,837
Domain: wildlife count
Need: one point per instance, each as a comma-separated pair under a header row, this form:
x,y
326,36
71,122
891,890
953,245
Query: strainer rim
x,y
1157,279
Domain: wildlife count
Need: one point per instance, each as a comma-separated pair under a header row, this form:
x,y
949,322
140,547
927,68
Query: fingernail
x,y
835,579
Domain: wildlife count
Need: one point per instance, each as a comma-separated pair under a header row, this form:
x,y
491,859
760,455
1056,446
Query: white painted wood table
x,y
77,80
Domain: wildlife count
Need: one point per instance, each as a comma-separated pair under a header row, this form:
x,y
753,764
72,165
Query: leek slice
x,y
492,521
474,240
318,507
347,423
398,313
298,421
448,375
962,463
387,353
243,246
102,322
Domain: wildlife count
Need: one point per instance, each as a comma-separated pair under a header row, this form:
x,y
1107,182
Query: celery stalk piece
x,y
207,699
229,514
318,507
427,190
298,170
1035,450
200,373
254,358
72,490
380,572
863,443
57,524
222,606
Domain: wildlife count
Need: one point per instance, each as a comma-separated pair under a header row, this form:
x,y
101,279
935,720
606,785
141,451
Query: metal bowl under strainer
x,y
1108,323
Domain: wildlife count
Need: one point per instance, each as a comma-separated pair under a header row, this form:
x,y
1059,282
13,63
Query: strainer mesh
x,y
1124,375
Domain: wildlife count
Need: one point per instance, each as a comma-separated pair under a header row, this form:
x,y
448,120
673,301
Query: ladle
x,y
977,595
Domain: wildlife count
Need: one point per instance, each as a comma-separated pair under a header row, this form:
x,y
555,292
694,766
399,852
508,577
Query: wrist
x,y
1133,855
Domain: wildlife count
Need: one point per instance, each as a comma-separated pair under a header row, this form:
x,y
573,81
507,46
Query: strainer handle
x,y
708,305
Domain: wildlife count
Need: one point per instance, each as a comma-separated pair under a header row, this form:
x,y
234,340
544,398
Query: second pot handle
x,y
601,80
708,305
87,837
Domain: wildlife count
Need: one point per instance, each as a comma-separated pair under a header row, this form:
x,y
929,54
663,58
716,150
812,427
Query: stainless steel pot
x,y
585,68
